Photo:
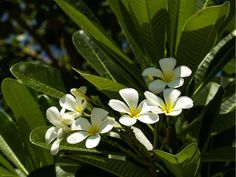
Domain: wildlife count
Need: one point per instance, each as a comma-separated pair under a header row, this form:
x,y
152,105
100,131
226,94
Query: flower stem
x,y
167,137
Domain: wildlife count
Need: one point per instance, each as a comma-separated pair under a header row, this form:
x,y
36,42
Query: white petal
x,y
152,72
183,102
127,120
142,138
145,108
167,64
97,115
77,137
80,124
60,133
149,118
92,141
51,134
178,82
174,112
119,106
182,71
153,99
171,95
55,146
157,86
68,102
54,117
130,96
107,125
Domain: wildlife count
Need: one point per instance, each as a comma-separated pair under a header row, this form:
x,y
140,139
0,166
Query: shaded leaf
x,y
221,154
184,164
116,167
41,78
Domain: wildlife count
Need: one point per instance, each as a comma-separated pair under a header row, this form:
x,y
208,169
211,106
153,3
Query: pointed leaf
x,y
91,27
99,59
228,105
41,78
199,35
107,86
184,164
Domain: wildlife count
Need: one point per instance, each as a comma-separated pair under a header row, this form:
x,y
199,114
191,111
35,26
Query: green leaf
x,y
221,154
106,86
179,12
228,105
199,35
223,123
150,17
6,165
99,59
91,27
116,167
184,164
7,151
6,173
41,78
7,129
28,116
121,10
215,60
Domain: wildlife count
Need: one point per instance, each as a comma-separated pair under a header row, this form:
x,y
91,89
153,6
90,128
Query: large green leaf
x,y
199,35
107,86
215,60
151,18
121,10
8,152
184,164
41,78
91,27
99,59
113,166
179,12
228,105
6,165
28,116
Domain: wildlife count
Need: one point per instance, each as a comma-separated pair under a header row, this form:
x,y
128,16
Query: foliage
x,y
195,32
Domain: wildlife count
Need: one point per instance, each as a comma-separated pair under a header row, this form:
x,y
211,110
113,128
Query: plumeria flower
x,y
172,104
61,122
132,111
75,102
167,75
100,123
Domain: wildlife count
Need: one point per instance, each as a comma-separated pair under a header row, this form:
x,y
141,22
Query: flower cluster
x,y
71,119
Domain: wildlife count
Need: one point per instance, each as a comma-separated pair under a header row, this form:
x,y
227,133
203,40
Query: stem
x,y
151,128
166,139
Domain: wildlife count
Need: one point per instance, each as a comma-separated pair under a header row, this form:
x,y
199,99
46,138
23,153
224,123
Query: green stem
x,y
166,139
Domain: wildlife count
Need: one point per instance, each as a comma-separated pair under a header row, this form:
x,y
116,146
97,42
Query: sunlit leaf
x,y
184,164
41,78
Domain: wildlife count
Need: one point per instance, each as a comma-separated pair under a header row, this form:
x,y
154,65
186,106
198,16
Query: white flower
x,y
75,102
167,75
172,105
132,111
100,123
61,122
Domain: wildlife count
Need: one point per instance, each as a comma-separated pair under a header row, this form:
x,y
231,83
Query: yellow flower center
x,y
168,76
93,130
134,112
66,120
168,108
78,109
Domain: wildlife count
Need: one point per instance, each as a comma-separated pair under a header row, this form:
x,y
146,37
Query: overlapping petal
x,y
51,134
77,137
68,102
119,106
182,71
167,64
178,82
149,118
54,116
130,96
97,115
157,86
127,120
107,125
152,72
93,141
183,102
80,124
